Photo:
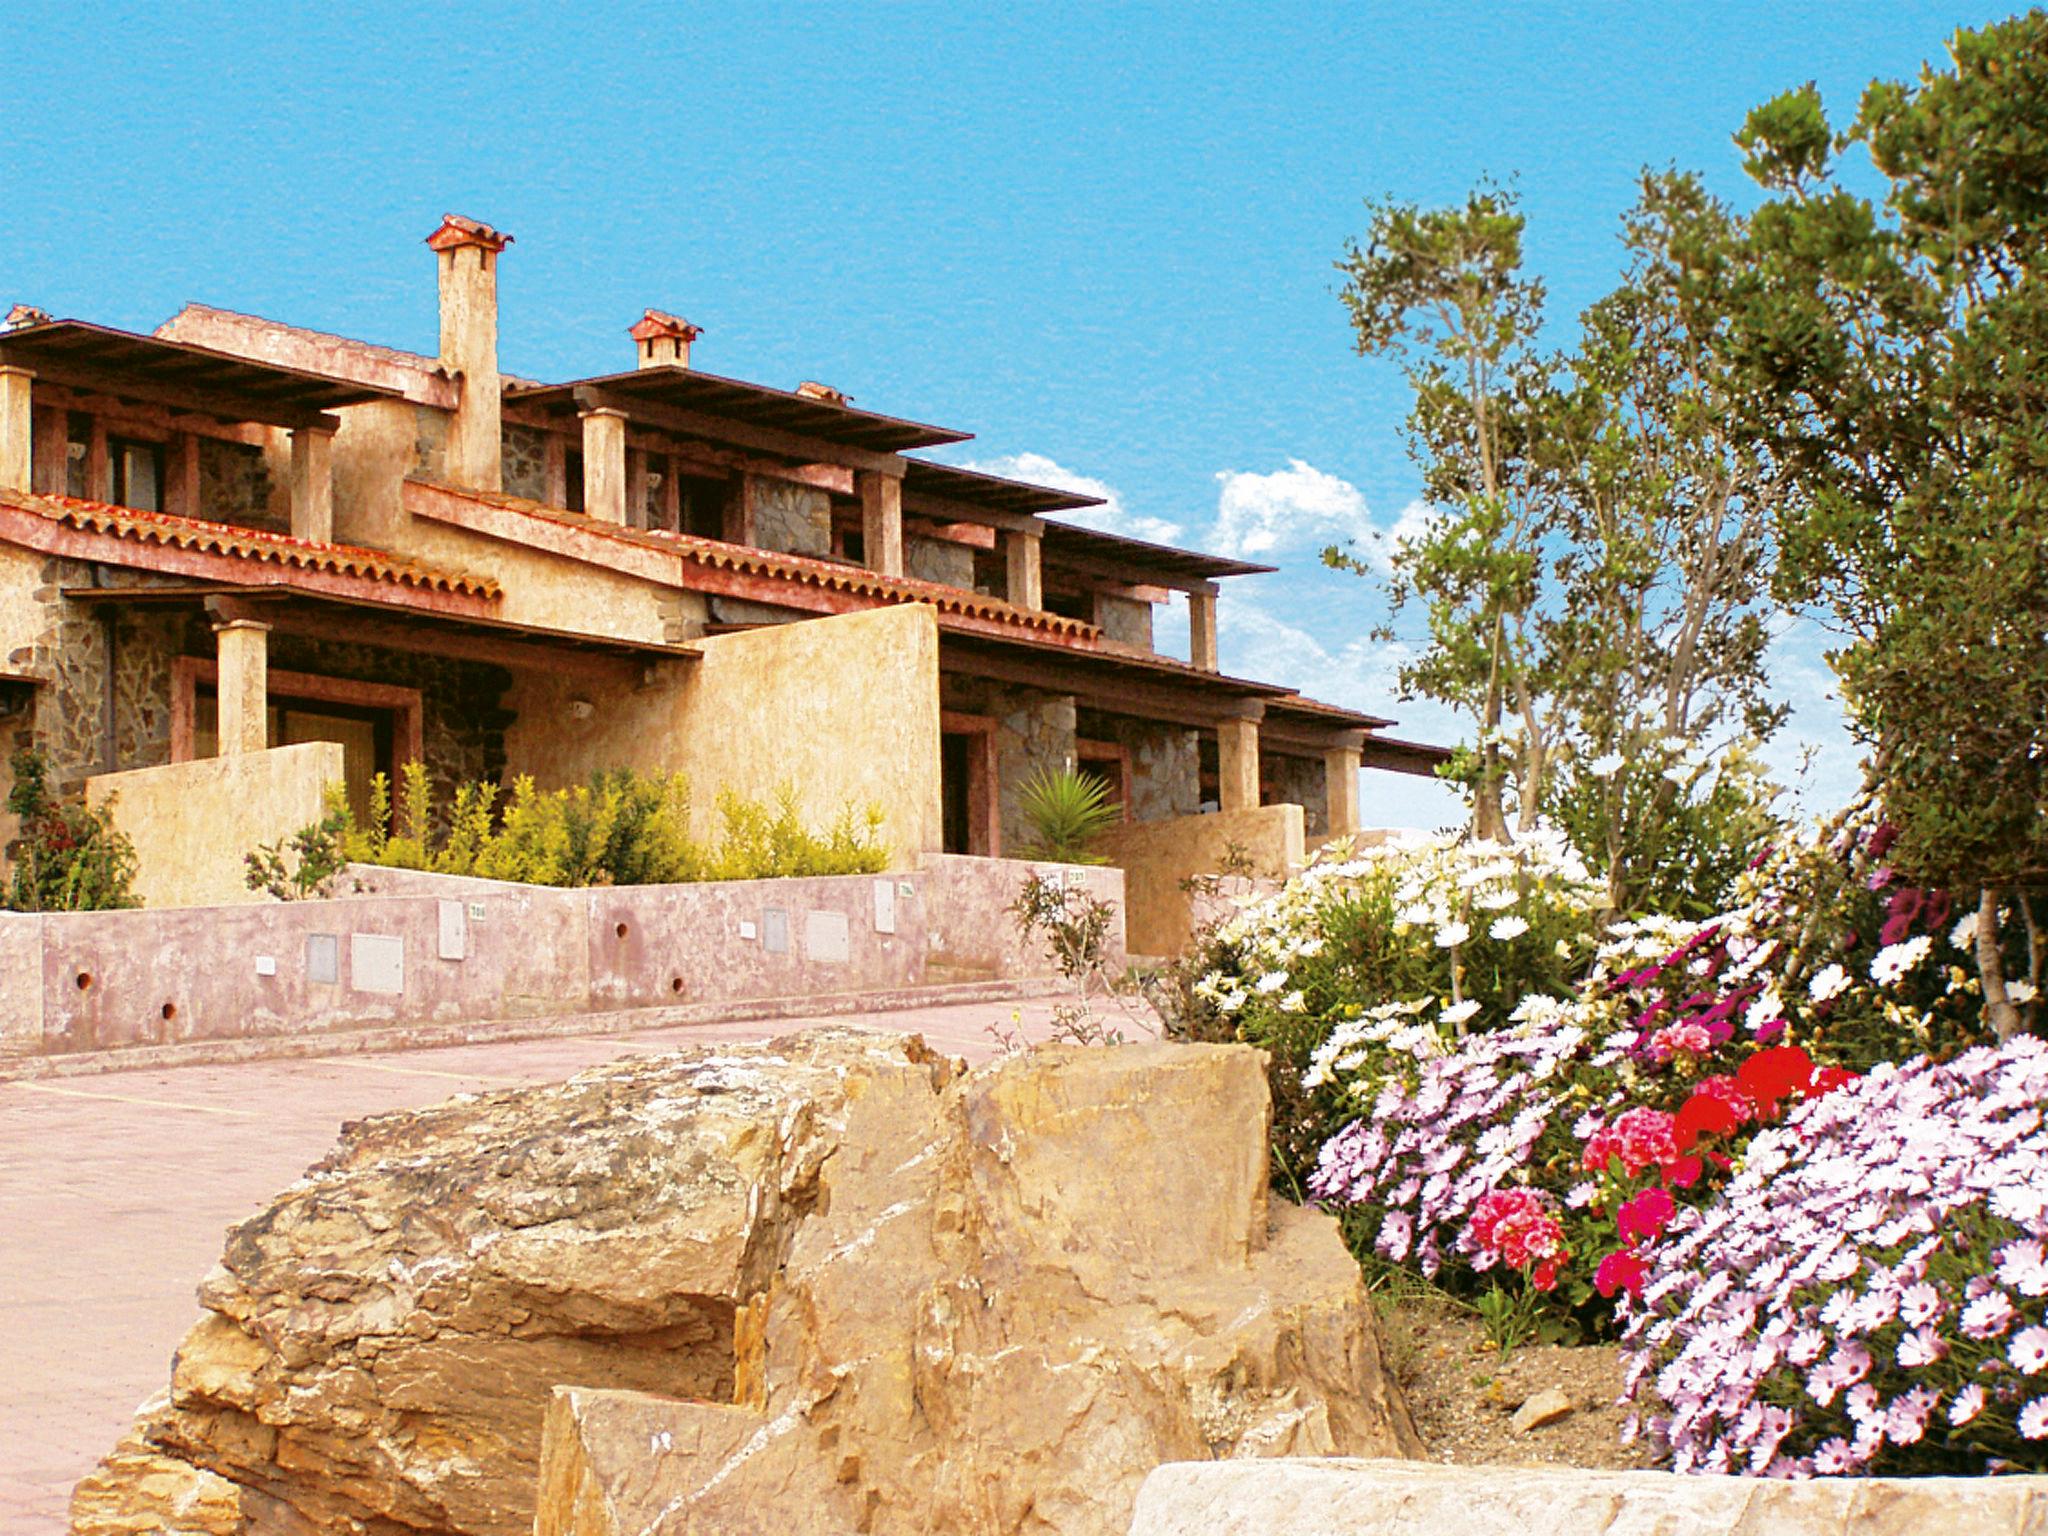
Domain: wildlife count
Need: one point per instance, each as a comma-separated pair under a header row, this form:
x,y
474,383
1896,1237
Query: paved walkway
x,y
115,1191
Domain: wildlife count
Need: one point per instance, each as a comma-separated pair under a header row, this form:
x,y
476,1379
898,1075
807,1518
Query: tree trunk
x,y
1998,1006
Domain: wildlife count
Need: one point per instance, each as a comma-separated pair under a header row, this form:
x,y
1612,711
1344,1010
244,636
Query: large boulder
x,y
833,1283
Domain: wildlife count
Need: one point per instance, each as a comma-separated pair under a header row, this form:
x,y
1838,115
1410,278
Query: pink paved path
x,y
115,1191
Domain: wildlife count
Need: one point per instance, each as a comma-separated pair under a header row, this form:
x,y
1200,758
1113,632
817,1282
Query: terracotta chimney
x,y
663,341
22,316
468,253
811,389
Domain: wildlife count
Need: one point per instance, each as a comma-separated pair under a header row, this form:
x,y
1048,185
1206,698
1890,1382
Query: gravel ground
x,y
1464,1395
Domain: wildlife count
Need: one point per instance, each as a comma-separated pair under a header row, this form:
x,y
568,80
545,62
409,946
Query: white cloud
x,y
1302,507
1111,517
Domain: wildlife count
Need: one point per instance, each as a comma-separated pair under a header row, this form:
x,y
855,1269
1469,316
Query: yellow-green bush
x,y
618,829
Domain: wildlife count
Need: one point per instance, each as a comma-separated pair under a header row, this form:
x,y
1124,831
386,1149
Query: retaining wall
x,y
410,948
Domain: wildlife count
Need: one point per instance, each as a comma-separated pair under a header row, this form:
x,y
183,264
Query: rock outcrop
x,y
834,1283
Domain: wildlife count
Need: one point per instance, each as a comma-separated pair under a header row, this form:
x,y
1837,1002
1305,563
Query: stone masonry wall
x,y
1166,763
1299,781
1034,730
1125,620
524,455
790,518
950,565
234,486
72,650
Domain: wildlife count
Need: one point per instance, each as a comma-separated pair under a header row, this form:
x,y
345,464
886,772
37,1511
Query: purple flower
x,y
1833,1458
2022,1266
1919,1304
2028,1351
1968,1404
1988,1316
2033,1419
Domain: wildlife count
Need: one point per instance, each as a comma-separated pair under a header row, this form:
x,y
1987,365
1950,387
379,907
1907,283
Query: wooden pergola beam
x,y
227,407
721,429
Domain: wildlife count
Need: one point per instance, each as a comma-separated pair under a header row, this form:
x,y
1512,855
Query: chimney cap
x,y
811,389
457,231
22,316
657,325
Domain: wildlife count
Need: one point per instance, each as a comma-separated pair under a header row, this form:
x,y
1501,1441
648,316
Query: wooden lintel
x,y
1299,738
1069,563
946,509
795,446
204,402
698,456
973,535
394,633
1115,694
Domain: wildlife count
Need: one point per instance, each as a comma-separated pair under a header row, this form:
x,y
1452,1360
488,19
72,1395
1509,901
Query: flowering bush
x,y
1456,932
1631,1096
1871,1292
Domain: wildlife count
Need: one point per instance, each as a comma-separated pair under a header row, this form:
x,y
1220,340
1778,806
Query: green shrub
x,y
70,858
620,828
1068,812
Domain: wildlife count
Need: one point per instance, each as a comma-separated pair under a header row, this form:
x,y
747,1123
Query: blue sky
x,y
1097,236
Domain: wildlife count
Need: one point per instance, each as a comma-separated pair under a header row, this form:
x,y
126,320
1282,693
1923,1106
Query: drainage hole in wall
x,y
620,930
84,980
169,1011
675,983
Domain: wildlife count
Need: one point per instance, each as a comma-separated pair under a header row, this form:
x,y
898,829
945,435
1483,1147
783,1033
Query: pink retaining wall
x,y
405,948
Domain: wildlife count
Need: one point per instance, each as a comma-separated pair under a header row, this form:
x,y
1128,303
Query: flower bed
x,y
1564,1120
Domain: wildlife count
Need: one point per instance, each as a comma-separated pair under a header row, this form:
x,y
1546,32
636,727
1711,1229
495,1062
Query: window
x,y
572,480
701,499
137,471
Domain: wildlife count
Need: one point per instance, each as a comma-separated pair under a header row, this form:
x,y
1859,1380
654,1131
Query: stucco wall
x,y
843,710
404,947
1156,856
970,931
192,822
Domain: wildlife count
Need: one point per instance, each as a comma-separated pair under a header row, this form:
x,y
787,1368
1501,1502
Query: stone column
x,y
1340,787
1237,764
1025,578
1202,630
17,430
244,687
881,522
604,465
313,484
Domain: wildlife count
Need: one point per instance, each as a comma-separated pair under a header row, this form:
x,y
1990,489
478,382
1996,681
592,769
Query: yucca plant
x,y
1068,812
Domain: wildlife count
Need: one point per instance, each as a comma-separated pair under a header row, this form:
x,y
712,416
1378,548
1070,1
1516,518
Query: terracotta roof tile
x,y
807,569
247,543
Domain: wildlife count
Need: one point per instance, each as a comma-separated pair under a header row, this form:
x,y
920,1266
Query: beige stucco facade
x,y
1156,856
192,822
844,711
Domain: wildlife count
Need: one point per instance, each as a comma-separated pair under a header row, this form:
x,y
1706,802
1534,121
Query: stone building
x,y
234,536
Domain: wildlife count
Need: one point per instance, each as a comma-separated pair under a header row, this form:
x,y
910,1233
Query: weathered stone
x,y
1541,1408
903,1297
1342,1497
